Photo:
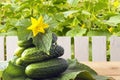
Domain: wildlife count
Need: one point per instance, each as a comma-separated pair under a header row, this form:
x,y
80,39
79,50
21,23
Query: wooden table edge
x,y
110,69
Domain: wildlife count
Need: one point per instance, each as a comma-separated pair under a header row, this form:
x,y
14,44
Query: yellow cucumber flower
x,y
37,26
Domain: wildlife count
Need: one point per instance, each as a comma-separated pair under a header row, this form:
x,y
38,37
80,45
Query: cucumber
x,y
19,51
26,43
31,55
21,62
46,69
56,51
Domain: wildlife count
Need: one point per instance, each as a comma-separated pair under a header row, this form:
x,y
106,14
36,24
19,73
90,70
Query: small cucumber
x,y
31,55
19,51
26,43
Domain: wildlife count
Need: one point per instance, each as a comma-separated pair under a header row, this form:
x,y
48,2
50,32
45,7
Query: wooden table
x,y
111,69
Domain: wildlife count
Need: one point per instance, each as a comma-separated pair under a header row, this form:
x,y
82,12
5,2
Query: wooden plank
x,y
1,48
65,42
114,77
99,48
115,48
105,68
11,42
81,47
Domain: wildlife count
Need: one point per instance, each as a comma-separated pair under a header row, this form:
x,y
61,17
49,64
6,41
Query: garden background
x,y
66,17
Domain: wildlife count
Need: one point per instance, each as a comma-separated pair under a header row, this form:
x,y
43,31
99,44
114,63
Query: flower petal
x,y
31,27
40,20
34,21
42,30
35,32
45,26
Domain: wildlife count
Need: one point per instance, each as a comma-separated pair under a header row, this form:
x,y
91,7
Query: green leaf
x,y
75,22
13,71
79,75
10,71
3,65
79,71
117,34
86,12
100,5
75,66
22,32
23,23
73,3
60,17
50,21
9,33
43,41
113,21
76,32
99,33
67,13
58,1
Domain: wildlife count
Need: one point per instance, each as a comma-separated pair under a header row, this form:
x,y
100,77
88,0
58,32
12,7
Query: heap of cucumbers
x,y
35,64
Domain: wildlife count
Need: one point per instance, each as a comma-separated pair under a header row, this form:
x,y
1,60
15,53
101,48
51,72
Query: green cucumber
x,y
19,51
46,69
26,43
31,55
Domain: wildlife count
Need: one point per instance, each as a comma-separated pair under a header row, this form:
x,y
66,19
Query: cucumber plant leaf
x,y
13,71
3,65
76,32
79,71
67,13
113,21
77,76
43,41
73,3
21,26
99,33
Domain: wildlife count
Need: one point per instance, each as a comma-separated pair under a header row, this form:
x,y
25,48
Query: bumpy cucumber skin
x,y
46,69
21,62
31,55
18,52
57,51
26,43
